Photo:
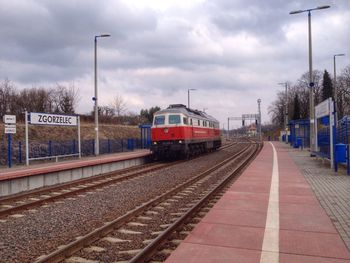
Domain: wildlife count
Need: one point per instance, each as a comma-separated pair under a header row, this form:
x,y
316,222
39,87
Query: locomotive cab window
x,y
174,119
159,120
185,120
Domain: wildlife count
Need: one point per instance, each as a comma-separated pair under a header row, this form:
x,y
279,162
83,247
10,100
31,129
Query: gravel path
x,y
39,232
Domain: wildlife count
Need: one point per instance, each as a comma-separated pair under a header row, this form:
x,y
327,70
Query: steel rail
x,y
67,250
53,188
151,248
53,198
35,203
47,189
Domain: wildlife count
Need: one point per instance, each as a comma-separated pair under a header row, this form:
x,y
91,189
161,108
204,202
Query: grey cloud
x,y
261,18
61,33
154,54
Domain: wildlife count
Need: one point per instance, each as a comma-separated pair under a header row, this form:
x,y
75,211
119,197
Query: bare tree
x,y
301,88
64,99
119,105
343,85
31,99
303,95
7,97
277,109
317,80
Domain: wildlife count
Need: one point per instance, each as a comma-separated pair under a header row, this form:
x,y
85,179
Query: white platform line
x,y
270,247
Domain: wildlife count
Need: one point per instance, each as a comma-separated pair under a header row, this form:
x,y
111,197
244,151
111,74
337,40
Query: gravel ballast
x,y
39,232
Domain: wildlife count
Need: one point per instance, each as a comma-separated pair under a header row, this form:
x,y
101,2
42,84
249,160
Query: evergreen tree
x,y
327,87
296,113
147,114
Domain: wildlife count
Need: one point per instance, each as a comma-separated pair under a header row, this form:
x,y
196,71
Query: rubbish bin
x,y
300,142
340,153
130,144
297,142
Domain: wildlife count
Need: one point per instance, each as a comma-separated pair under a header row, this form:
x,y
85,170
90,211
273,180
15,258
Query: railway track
x,y
139,233
24,201
28,200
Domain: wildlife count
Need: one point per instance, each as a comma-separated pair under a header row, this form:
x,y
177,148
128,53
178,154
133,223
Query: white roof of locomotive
x,y
180,108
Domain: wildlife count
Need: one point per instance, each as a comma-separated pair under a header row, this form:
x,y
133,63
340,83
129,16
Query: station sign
x,y
10,129
9,119
322,109
53,119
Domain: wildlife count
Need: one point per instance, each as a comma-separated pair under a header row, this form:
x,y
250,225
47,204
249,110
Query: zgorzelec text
x,y
53,119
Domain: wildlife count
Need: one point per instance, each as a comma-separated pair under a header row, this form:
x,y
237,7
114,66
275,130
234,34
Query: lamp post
x,y
335,88
97,144
311,84
285,84
259,122
188,97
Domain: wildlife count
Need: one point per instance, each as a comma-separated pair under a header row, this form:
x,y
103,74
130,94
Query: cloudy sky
x,y
231,51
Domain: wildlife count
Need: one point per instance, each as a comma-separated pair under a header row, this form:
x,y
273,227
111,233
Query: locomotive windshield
x,y
159,120
174,119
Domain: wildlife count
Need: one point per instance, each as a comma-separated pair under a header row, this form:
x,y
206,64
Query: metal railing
x,y
53,150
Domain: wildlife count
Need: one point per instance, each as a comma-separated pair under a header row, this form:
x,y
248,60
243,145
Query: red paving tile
x,y
255,179
236,217
296,199
311,223
252,188
315,210
233,230
291,179
303,185
313,244
245,205
288,258
233,195
227,236
194,253
295,190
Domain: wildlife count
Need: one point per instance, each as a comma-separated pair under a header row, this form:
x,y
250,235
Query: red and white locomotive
x,y
180,132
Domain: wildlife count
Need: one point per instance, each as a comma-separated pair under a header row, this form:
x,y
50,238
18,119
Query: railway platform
x,y
281,209
26,178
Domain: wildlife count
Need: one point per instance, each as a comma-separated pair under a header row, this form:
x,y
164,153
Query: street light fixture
x,y
188,97
97,144
335,88
311,84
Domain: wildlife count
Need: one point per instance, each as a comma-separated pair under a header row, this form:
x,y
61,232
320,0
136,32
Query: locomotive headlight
x,y
180,141
155,143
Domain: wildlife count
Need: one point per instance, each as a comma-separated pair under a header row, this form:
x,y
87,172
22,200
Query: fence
x,y
342,136
343,130
56,148
323,142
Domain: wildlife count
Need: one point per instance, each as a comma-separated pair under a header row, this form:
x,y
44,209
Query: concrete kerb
x,y
20,184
